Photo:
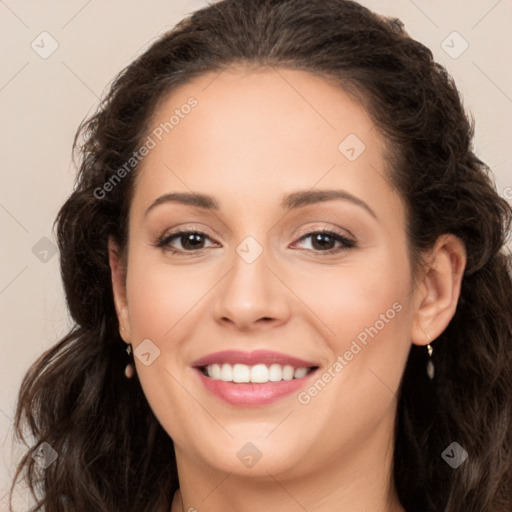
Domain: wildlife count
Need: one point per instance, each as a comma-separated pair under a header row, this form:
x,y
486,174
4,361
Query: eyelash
x,y
164,241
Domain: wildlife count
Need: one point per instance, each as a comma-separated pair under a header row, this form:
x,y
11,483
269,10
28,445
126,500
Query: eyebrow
x,y
187,198
307,197
290,202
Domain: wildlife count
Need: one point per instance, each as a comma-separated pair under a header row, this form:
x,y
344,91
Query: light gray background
x,y
42,101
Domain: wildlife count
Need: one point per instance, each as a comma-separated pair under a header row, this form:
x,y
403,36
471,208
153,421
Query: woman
x,y
282,238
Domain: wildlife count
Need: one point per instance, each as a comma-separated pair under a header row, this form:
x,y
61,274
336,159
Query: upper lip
x,y
252,358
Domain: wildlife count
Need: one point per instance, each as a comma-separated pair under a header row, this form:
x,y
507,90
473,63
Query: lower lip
x,y
252,395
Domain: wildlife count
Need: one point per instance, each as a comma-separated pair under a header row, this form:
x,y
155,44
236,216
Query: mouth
x,y
252,378
256,374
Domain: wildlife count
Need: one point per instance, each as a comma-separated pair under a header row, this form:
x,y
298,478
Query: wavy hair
x,y
113,455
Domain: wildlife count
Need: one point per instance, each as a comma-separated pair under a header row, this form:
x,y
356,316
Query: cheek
x,y
368,316
354,297
364,311
161,303
159,296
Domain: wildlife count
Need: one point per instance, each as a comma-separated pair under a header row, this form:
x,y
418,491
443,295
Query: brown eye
x,y
324,241
189,241
321,241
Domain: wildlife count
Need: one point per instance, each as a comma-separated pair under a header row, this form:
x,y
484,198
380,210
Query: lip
x,y
251,394
252,358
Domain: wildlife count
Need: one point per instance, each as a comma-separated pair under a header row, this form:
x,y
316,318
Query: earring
x,y
430,364
128,370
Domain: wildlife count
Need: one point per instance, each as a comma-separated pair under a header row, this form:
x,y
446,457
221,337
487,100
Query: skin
x,y
255,136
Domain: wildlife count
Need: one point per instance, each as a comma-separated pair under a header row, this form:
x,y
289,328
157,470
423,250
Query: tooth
x,y
288,372
300,372
215,371
226,373
259,373
241,373
275,373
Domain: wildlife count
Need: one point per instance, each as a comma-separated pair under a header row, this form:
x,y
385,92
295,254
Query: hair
x,y
113,455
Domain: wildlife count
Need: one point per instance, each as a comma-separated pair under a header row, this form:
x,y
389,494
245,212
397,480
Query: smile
x,y
259,373
252,378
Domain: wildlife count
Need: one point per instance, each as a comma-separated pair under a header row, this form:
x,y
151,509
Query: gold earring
x,y
430,364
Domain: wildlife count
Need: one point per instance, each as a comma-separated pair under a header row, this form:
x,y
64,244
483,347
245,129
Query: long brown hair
x,y
113,455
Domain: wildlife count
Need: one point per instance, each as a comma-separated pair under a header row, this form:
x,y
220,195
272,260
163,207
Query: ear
x,y
437,294
118,271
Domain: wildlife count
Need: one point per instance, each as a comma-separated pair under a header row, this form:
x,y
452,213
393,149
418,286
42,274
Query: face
x,y
273,317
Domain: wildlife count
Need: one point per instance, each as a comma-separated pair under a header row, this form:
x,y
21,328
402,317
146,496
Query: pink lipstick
x,y
252,378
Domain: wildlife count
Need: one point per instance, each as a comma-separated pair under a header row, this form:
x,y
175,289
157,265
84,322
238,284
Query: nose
x,y
252,295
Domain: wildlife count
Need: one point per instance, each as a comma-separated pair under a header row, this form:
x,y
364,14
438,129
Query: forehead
x,y
246,133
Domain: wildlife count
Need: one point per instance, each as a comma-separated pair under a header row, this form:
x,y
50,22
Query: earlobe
x,y
118,272
438,292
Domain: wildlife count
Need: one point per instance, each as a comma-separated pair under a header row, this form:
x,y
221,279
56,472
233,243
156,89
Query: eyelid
x,y
323,229
186,228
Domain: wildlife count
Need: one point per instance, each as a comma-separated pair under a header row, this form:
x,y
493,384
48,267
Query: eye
x,y
190,241
324,240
